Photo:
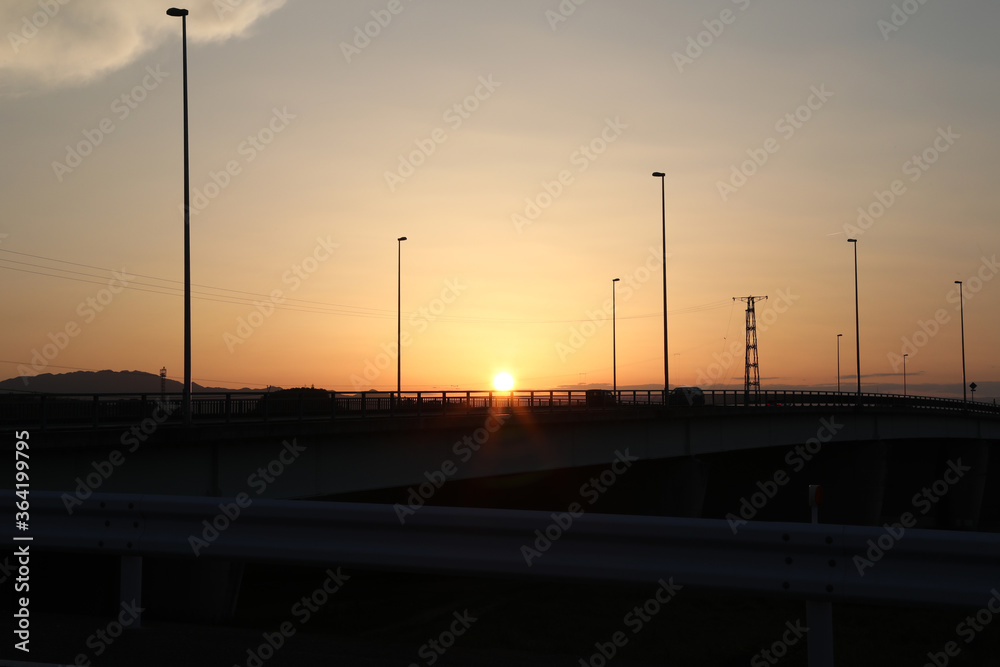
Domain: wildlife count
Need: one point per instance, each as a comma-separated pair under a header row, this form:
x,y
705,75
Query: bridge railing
x,y
75,410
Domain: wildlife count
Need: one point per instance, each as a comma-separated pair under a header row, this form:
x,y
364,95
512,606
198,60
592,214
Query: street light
x,y
399,313
857,325
186,396
961,302
614,345
663,207
839,336
904,373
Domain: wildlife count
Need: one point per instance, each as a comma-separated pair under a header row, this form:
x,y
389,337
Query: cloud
x,y
55,43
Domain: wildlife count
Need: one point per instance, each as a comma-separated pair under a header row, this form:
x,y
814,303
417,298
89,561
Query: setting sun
x,y
503,382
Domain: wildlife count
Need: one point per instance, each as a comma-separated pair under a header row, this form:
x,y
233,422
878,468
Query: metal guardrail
x,y
802,561
75,410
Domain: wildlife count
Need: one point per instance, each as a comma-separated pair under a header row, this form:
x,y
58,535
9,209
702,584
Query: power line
x,y
317,307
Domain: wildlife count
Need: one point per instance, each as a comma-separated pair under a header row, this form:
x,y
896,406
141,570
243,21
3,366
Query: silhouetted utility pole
x,y
751,376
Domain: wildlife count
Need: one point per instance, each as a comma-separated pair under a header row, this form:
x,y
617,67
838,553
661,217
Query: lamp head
x,y
616,280
173,11
852,240
659,174
401,238
958,282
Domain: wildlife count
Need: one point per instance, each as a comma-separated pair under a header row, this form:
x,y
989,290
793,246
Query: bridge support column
x,y
964,502
679,487
205,590
216,589
854,483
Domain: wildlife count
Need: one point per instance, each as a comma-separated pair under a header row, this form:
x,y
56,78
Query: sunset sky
x,y
512,143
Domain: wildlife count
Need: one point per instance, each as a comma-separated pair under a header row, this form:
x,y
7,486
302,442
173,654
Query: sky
x,y
512,144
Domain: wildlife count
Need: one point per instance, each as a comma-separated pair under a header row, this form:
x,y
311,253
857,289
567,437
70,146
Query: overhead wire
x,y
317,307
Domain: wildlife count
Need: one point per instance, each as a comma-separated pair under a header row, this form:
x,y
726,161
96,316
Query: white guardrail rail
x,y
807,561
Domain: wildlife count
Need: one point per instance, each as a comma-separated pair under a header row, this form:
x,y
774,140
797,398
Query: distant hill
x,y
100,382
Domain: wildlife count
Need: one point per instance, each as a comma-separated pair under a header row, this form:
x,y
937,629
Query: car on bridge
x,y
686,397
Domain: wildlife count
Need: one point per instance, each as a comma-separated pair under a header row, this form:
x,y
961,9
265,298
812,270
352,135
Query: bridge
x,y
119,481
871,451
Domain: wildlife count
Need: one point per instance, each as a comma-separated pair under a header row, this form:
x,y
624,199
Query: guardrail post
x,y
333,405
97,408
819,620
130,588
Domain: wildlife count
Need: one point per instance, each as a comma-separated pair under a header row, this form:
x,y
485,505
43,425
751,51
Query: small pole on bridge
x,y
819,613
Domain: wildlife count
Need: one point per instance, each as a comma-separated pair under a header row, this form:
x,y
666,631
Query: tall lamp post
x,y
663,208
614,342
186,396
399,315
904,373
961,302
839,336
857,325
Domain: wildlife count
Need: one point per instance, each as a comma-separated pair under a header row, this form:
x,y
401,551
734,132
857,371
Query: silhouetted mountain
x,y
100,382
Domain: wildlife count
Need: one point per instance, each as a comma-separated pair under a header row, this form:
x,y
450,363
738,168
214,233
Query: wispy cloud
x,y
55,43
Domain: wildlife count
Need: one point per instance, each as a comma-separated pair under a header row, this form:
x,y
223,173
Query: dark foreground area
x,y
378,618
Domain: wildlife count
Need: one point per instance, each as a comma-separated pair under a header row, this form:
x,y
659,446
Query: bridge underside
x,y
754,463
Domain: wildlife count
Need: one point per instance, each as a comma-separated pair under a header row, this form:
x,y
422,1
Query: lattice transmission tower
x,y
751,376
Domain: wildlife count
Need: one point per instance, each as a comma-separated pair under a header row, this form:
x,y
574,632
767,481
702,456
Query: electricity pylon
x,y
751,375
